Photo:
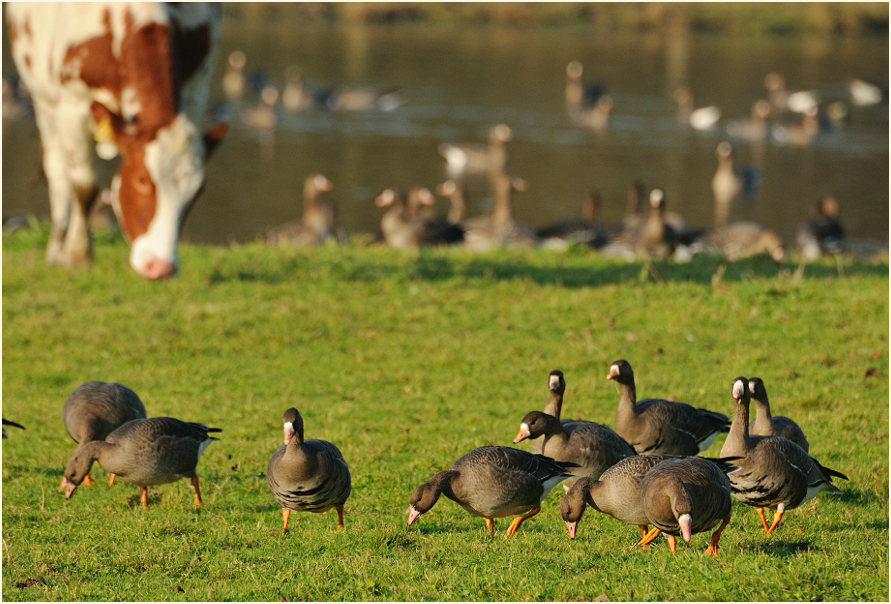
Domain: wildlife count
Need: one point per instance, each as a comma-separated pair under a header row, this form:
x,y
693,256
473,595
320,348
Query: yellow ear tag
x,y
104,137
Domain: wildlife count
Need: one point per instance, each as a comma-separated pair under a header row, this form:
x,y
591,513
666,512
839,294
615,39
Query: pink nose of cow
x,y
158,269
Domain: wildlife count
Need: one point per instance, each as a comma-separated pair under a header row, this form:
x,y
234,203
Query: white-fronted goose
x,y
684,497
478,158
233,78
95,409
317,223
577,93
263,116
595,117
7,422
766,424
492,482
457,193
652,237
781,99
586,229
773,471
410,223
365,97
655,426
726,184
499,229
590,446
743,239
307,475
296,96
554,406
700,118
822,233
144,452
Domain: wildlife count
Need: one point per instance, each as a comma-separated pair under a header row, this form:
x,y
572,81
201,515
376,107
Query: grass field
x,y
406,361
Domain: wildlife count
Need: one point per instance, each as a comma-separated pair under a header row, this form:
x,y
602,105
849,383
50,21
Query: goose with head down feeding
x,y
144,452
492,482
307,475
95,409
773,471
655,426
766,424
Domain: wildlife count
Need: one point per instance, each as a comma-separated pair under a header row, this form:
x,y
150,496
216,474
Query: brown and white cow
x,y
131,79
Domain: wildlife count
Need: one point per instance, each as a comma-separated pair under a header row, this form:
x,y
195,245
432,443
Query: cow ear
x,y
108,130
213,137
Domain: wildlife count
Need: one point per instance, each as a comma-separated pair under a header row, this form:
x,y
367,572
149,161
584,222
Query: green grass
x,y
406,361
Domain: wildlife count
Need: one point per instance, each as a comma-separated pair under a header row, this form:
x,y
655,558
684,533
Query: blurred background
x,y
455,69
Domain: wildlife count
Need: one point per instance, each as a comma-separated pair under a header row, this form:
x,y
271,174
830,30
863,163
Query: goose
x,y
554,406
655,426
781,99
822,233
7,422
307,475
766,424
233,78
684,497
726,184
577,93
478,158
263,116
755,128
365,98
590,446
773,471
585,229
743,239
317,223
406,225
144,452
457,194
95,409
296,96
701,118
595,117
499,229
864,94
492,482
798,135
652,237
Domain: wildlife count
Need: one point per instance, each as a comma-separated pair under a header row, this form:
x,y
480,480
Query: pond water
x,y
457,82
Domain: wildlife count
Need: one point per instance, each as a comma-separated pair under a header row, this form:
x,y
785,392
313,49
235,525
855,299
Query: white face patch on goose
x,y
738,388
524,428
553,381
613,372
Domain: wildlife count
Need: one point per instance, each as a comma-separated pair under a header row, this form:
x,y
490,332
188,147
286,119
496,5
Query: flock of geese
x,y
647,231
646,471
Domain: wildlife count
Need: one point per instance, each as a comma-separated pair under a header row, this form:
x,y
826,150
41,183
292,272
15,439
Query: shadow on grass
x,y
782,549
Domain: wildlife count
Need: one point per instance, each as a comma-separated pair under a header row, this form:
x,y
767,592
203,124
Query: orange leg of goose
x,y
490,526
515,524
712,549
340,517
643,532
647,538
143,496
197,490
763,520
111,479
672,543
87,479
286,513
777,516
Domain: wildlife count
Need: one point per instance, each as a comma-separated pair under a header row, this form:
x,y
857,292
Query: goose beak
x,y
571,526
613,373
413,514
289,432
521,435
69,488
684,522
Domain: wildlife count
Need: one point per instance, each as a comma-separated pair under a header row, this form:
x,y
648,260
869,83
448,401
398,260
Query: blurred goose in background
x,y
755,128
865,94
308,475
773,471
456,191
263,115
7,422
233,78
579,94
730,181
317,223
590,446
766,424
585,229
144,452
492,482
702,118
653,426
798,135
95,409
498,229
595,117
478,158
406,225
364,98
296,96
651,237
742,239
684,497
802,101
822,233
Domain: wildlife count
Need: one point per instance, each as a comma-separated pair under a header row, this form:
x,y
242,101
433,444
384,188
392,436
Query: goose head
x,y
621,372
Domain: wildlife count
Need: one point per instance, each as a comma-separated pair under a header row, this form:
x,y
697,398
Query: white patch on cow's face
x,y
175,161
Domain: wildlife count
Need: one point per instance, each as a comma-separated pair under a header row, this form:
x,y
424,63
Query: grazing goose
x,y
144,452
307,475
766,424
822,233
492,482
743,239
655,426
478,158
586,229
499,229
773,472
683,497
95,409
7,422
317,224
590,446
406,225
701,118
